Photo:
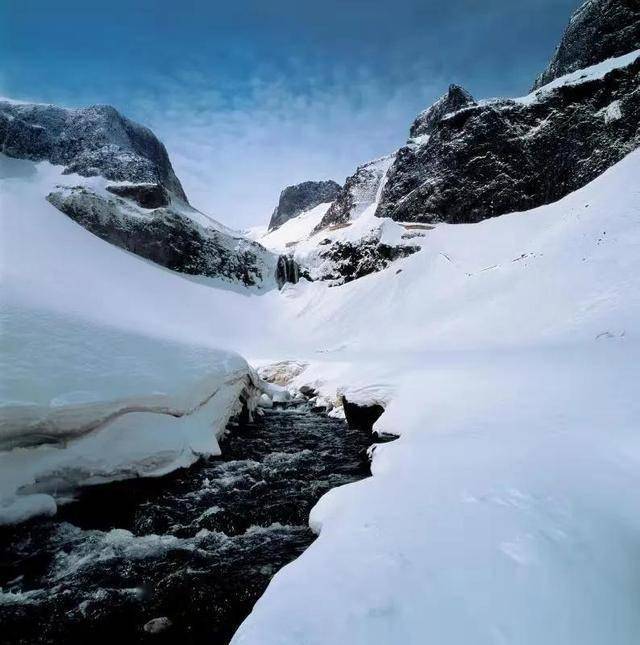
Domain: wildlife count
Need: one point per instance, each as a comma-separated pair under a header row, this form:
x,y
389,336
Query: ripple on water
x,y
196,548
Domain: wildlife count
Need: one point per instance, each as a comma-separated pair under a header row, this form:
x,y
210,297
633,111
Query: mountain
x,y
360,191
598,30
343,241
302,197
467,160
118,182
493,157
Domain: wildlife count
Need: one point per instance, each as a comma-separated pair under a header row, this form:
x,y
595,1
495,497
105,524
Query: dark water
x,y
197,547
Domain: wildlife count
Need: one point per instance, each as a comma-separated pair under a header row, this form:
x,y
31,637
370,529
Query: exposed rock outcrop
x,y
145,195
166,236
508,155
301,197
360,191
598,29
287,271
456,98
145,209
466,162
91,141
344,260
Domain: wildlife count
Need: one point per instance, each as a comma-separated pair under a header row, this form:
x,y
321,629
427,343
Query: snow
x,y
612,112
295,230
507,356
599,70
110,362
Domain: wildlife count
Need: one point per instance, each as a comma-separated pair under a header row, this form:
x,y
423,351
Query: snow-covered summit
x,y
455,99
91,141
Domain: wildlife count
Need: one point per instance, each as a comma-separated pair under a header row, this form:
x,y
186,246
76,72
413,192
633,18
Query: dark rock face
x,y
360,191
98,141
349,261
287,271
361,417
166,237
91,141
598,30
301,197
509,155
145,195
456,98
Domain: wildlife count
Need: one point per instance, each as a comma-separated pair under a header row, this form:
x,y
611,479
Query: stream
x,y
182,558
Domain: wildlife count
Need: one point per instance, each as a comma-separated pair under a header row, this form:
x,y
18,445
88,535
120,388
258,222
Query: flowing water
x,y
190,552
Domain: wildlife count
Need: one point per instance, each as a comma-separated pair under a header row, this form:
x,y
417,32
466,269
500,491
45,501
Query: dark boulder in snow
x,y
598,29
359,192
91,141
301,197
287,271
361,417
508,155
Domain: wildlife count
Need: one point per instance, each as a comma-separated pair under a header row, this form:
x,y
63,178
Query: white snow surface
x,y
284,238
108,361
506,354
599,70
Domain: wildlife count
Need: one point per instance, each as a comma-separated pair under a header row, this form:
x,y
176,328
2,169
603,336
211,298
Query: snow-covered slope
x,y
507,354
109,362
295,230
118,183
342,240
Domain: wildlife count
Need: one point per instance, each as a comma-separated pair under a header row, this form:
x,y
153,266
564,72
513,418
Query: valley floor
x,y
507,356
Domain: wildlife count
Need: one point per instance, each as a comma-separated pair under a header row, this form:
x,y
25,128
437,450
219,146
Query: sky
x,y
250,96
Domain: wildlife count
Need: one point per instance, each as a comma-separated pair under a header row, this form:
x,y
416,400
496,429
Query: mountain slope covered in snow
x,y
506,354
125,191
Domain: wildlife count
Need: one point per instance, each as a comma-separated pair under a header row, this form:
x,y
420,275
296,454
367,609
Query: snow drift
x,y
109,363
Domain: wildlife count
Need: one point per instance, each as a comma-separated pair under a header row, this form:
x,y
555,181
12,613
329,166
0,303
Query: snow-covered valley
x,y
505,354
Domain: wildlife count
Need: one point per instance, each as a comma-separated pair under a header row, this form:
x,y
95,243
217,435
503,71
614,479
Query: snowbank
x,y
507,356
110,366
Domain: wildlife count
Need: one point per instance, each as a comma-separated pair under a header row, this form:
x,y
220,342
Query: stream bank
x,y
182,558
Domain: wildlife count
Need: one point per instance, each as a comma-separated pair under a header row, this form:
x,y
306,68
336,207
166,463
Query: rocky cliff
x,y
360,191
598,30
123,189
467,161
302,197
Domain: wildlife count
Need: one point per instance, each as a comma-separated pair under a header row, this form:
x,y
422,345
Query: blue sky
x,y
250,96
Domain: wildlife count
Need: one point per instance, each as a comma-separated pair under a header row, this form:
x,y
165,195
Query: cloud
x,y
235,148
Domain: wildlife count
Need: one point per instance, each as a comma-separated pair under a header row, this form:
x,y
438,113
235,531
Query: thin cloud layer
x,y
234,158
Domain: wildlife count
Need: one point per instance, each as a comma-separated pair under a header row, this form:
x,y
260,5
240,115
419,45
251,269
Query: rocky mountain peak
x,y
91,141
301,197
598,29
456,98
